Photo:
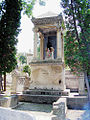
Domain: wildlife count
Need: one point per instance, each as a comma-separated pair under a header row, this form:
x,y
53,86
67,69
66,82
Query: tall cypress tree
x,y
10,14
9,29
77,40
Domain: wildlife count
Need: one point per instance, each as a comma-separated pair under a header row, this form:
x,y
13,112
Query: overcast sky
x,y
25,38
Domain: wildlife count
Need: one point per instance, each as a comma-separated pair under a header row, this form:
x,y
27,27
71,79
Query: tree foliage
x,y
10,15
27,69
9,28
22,59
28,5
77,39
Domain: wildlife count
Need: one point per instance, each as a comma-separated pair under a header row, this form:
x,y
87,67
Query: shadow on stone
x,y
35,107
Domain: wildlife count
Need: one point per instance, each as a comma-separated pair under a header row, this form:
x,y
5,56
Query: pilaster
x,y
59,44
41,46
62,50
35,42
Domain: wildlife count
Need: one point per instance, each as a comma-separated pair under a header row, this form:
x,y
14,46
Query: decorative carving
x,y
48,20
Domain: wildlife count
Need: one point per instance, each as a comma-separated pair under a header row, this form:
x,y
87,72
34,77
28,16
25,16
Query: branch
x,y
77,36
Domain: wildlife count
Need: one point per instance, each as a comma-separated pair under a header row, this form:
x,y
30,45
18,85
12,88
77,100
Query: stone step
x,y
48,99
42,92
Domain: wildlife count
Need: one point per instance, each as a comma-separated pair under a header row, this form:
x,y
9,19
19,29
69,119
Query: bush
x,y
27,69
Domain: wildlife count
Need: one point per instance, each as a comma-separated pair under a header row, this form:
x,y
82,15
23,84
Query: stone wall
x,y
74,82
8,114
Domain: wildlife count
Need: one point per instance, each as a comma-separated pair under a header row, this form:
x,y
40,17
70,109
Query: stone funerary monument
x,y
48,71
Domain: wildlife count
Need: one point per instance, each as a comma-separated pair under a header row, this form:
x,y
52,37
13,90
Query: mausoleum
x,y
47,72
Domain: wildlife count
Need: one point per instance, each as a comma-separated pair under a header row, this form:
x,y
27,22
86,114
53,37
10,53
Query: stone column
x,y
59,44
35,43
41,46
62,50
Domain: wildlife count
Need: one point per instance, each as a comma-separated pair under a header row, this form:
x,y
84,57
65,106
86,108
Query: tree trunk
x,y
5,82
1,85
0,82
87,85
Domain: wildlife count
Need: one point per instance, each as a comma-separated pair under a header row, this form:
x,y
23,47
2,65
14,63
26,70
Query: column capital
x,y
58,26
41,36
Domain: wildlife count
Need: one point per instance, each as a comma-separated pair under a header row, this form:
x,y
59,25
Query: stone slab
x,y
59,109
9,101
8,114
42,92
54,117
76,102
49,99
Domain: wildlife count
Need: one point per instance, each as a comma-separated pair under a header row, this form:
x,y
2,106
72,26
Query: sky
x,y
25,38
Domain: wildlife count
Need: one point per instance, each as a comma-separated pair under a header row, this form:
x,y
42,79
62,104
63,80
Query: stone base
x,y
77,102
10,101
43,99
41,95
47,74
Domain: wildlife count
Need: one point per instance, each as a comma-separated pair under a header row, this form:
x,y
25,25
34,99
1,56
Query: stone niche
x,y
47,72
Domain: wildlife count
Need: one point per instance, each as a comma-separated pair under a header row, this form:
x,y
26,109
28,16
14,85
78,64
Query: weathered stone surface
x,y
66,92
76,102
75,82
47,76
20,82
10,101
54,117
42,92
59,109
8,114
61,102
48,72
49,99
47,20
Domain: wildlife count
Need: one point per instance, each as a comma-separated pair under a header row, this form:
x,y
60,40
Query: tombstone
x,y
20,82
48,71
